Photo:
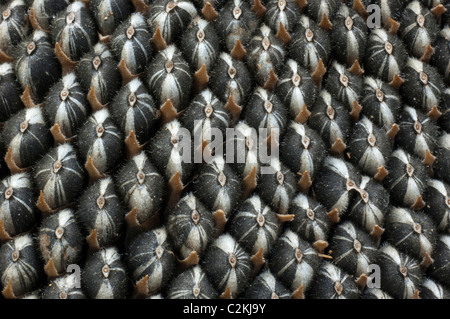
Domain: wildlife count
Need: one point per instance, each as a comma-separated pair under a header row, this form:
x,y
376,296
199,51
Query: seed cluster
x,y
96,97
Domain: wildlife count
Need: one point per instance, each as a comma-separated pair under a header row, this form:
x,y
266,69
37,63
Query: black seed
x,y
332,282
266,286
66,105
352,249
171,151
422,87
227,265
413,233
277,186
28,136
105,276
100,209
302,149
330,119
309,44
401,275
218,186
437,199
385,55
20,265
418,133
17,204
191,284
318,8
265,110
171,17
64,287
368,208
343,85
245,156
407,178
169,78
60,240
296,88
444,119
205,114
336,183
440,268
310,221
60,176
348,36
109,14
10,101
97,71
45,11
432,289
441,164
15,25
294,261
441,56
36,65
74,30
368,146
390,10
281,11
231,78
131,42
236,22
134,109
190,226
255,226
141,186
200,44
418,28
150,254
266,54
100,139
380,102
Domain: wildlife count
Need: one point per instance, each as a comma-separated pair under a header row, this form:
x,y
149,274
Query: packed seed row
x,y
95,99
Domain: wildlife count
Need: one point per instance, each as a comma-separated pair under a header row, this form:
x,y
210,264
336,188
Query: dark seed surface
x,y
123,113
